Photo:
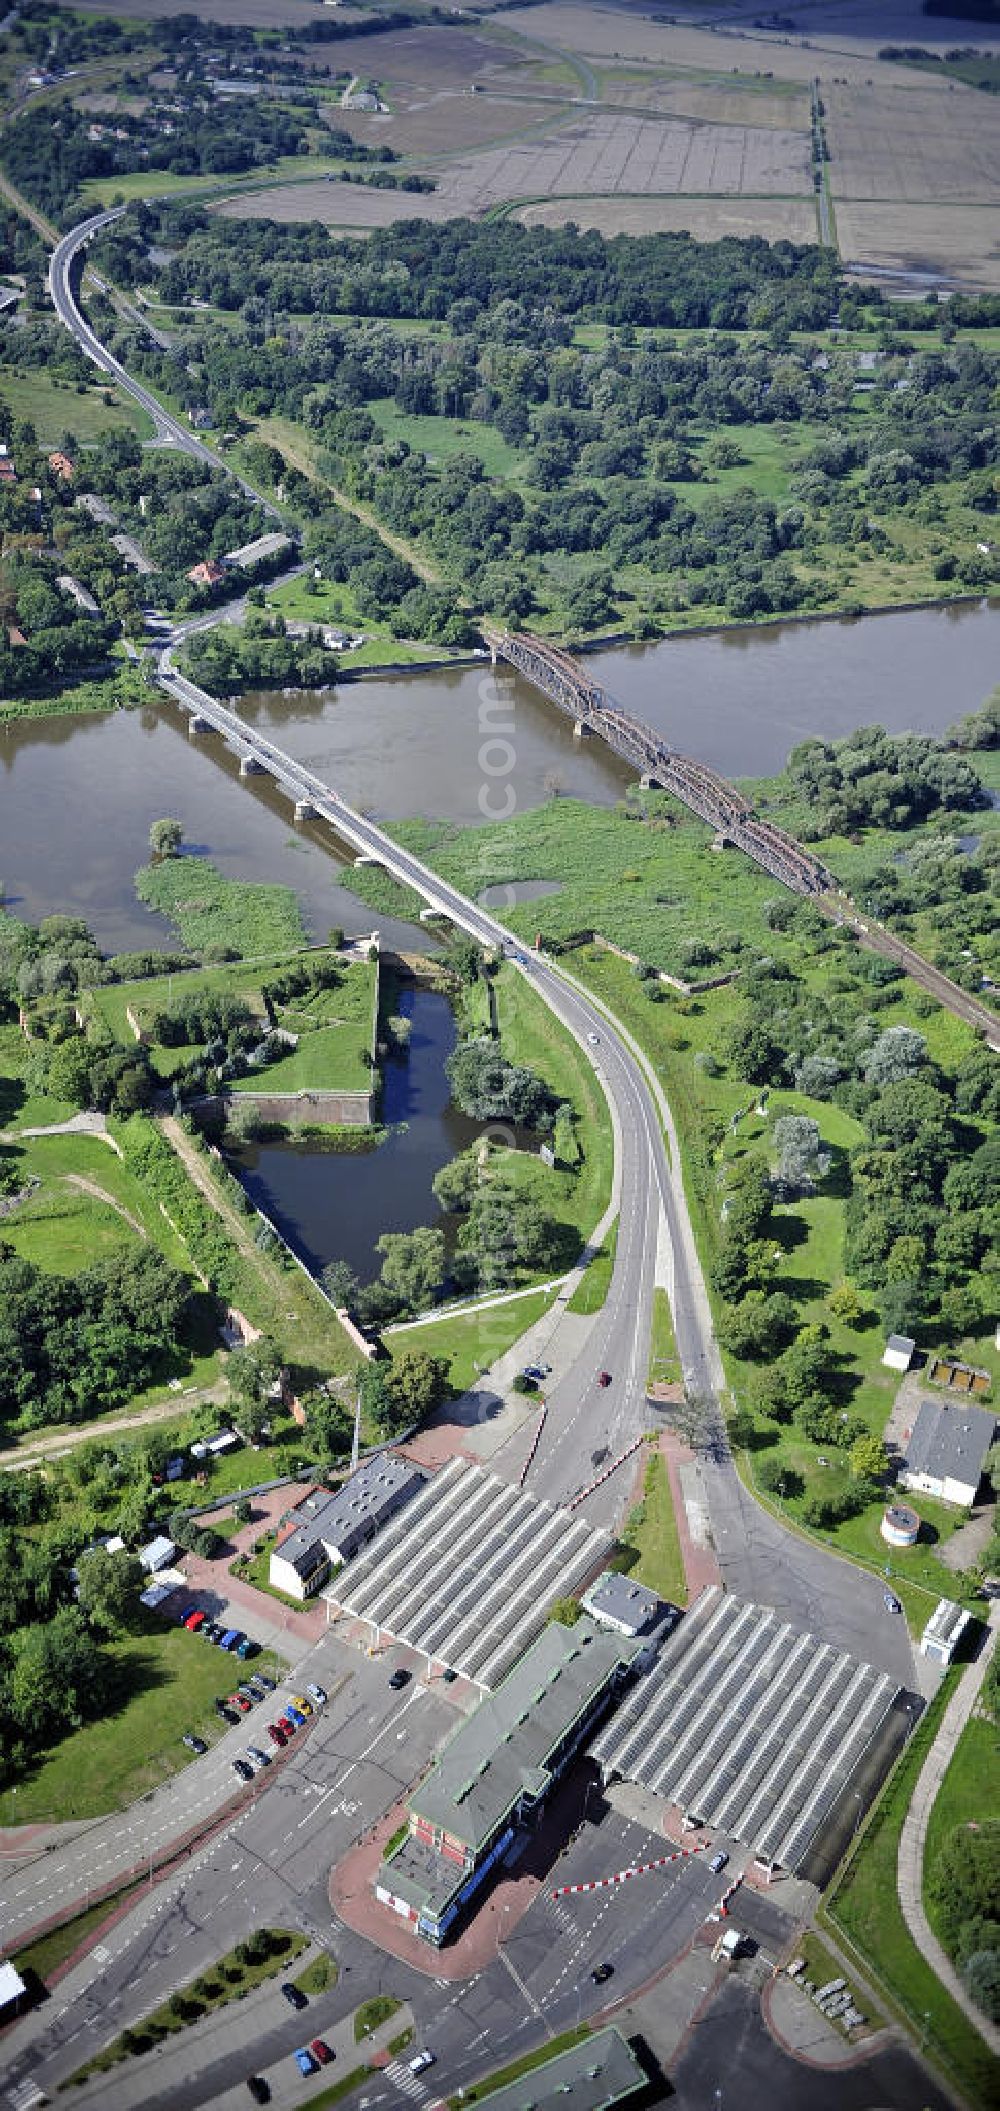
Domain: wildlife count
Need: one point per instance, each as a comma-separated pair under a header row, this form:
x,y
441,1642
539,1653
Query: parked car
x,y
288,1724
293,1995
718,1863
304,2061
421,2060
294,1716
891,1602
317,1695
399,1679
185,1614
276,1733
247,1647
227,1714
260,1678
248,1693
239,1702
211,1632
194,1621
258,1755
241,1768
254,1686
258,2089
300,1702
601,1973
194,1744
321,2051
229,1638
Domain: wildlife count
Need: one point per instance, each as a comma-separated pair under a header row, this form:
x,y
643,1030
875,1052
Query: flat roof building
x,y
328,1530
626,1607
945,1452
157,1555
259,552
599,2072
944,1631
497,1769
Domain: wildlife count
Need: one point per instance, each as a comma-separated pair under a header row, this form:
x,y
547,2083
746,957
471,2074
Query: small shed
x,y
898,1352
944,1631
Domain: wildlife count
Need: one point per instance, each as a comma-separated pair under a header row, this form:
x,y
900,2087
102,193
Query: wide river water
x,y
77,796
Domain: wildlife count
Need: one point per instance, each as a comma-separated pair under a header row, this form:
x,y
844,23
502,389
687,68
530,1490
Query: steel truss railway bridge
x,y
708,795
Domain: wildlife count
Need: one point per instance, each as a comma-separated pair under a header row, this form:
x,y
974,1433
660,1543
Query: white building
x,y
898,1352
329,1529
946,1449
157,1555
944,1631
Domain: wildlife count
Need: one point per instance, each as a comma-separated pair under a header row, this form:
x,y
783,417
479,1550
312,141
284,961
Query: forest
x,y
603,470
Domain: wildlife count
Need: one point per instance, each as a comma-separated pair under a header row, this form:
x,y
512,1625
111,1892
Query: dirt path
x,y
41,225
191,1160
284,436
100,1194
63,1440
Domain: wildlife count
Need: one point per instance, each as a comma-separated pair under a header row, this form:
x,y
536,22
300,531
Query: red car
x,y
194,1621
238,1700
321,2051
604,1378
276,1733
285,1723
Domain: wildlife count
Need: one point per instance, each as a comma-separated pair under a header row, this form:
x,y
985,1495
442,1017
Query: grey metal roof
x,y
749,1725
502,1750
469,1569
621,1599
371,1496
600,2071
949,1441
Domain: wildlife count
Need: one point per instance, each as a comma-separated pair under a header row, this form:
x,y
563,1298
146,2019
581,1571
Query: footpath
x,y
912,1840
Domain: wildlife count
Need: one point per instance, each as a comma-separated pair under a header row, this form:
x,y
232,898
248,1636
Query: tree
x,y
413,1266
778,1478
419,1383
961,1310
108,1590
981,1973
565,1610
165,838
897,1053
455,1183
846,1304
800,1158
253,1368
489,1088
340,1283
869,1458
964,1878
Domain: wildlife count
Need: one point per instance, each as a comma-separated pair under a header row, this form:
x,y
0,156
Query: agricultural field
x,y
707,218
959,245
936,145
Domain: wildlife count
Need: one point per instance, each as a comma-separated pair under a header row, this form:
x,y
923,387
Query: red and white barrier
x,y
727,1895
606,1475
621,1876
535,1441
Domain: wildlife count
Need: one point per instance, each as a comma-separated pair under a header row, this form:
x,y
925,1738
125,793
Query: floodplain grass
x,y
207,909
334,603
530,1034
123,688
165,1682
470,1342
864,1915
650,1532
440,439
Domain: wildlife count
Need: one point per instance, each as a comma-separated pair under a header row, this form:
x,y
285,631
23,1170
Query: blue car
x,y
305,2062
297,1718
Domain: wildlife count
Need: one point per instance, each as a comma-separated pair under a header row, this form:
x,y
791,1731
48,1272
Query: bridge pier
x,y
649,783
304,810
581,729
250,767
197,724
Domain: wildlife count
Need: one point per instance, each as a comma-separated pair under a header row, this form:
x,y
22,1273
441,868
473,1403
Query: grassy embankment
x,y
864,1915
164,1682
207,910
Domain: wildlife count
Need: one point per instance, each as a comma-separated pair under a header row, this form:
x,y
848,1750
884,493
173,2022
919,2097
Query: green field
x,y
968,1795
54,407
592,1289
664,1366
442,438
166,1681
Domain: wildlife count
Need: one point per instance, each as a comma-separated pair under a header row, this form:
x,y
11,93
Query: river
x,y
77,796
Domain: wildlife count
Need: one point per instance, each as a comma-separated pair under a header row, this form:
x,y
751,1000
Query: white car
x,y
594,1039
421,2060
317,1694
